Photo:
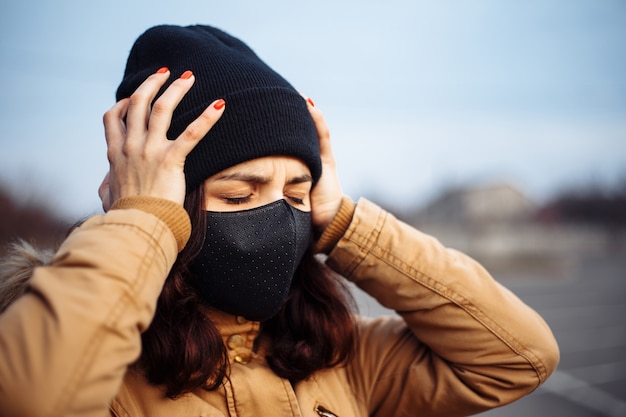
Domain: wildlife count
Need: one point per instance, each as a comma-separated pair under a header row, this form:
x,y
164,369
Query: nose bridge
x,y
275,193
275,188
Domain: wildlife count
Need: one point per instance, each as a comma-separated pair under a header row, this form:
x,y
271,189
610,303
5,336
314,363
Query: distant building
x,y
479,205
497,223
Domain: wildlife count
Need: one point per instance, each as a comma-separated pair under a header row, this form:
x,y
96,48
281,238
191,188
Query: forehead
x,y
267,166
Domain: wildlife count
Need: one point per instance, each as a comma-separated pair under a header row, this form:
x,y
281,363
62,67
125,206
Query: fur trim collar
x,y
16,268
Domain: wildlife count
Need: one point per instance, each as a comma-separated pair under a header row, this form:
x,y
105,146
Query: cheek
x,y
211,204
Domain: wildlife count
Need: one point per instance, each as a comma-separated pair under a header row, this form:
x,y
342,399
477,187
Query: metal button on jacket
x,y
242,358
234,342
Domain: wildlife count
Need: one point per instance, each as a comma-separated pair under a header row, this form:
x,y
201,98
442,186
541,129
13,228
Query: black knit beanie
x,y
264,114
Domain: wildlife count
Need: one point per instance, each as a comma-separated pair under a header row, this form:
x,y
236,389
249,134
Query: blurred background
x,y
499,127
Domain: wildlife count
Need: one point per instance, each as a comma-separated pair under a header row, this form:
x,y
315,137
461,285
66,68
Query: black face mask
x,y
249,257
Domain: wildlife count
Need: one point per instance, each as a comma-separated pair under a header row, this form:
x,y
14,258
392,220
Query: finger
x,y
323,133
161,114
198,129
114,127
141,102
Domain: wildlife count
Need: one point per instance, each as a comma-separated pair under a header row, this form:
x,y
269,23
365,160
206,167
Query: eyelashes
x,y
237,200
246,199
296,200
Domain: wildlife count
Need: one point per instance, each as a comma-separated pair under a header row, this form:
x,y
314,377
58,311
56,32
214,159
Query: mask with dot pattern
x,y
249,258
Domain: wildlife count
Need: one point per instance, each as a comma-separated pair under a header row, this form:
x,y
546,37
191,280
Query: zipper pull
x,y
324,412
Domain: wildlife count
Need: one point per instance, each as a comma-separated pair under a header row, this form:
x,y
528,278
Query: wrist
x,y
171,213
337,227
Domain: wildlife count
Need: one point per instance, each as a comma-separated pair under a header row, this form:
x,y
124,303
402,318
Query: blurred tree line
x,y
592,204
32,222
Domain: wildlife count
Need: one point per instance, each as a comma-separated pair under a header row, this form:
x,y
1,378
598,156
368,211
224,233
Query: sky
x,y
419,95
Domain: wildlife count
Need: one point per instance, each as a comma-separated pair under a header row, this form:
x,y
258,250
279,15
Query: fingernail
x,y
162,70
186,75
310,101
219,104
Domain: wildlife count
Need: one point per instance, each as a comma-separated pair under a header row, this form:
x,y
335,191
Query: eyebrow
x,y
240,176
300,179
260,179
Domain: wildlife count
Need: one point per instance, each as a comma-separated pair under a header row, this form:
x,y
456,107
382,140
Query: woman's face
x,y
259,182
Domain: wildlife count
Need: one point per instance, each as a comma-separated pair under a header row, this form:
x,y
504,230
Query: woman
x,y
221,307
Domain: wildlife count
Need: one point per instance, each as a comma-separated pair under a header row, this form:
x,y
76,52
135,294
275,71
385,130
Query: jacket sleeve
x,y
66,343
463,343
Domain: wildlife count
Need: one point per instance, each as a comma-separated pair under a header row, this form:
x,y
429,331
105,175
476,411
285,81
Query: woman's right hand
x,y
142,160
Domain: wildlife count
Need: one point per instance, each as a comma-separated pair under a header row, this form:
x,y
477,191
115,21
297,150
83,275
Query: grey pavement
x,y
583,299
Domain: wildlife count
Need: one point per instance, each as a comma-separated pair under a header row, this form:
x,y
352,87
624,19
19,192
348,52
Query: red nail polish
x,y
186,75
162,70
219,104
310,101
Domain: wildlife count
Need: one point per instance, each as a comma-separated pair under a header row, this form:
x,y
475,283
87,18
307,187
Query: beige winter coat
x,y
461,343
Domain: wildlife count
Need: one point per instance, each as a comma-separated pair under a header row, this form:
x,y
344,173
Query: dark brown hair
x,y
183,349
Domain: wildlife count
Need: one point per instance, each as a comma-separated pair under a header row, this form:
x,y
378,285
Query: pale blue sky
x,y
418,94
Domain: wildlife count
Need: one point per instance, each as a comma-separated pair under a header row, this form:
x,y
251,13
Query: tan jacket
x,y
461,343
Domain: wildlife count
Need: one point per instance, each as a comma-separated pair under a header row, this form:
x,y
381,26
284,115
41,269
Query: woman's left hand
x,y
326,196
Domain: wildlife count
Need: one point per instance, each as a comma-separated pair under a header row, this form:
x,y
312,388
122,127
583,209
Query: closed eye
x,y
237,200
296,200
